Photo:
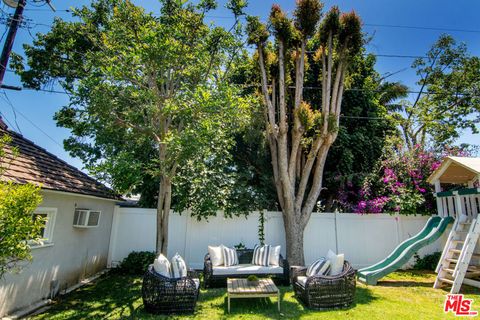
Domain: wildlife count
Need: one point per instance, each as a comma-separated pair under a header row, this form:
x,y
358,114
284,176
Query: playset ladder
x,y
455,265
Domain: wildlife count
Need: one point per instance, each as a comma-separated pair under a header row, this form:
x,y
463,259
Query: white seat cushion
x,y
302,280
246,269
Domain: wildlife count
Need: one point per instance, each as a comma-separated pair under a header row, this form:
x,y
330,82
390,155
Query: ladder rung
x,y
458,241
452,260
446,280
459,251
469,271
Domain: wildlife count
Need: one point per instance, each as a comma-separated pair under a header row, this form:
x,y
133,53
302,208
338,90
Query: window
x,y
46,232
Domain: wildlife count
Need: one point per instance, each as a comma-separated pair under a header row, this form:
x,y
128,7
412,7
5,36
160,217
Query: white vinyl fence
x,y
364,239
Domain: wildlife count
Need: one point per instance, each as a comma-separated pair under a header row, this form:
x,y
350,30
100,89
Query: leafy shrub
x,y
428,262
252,278
137,262
240,246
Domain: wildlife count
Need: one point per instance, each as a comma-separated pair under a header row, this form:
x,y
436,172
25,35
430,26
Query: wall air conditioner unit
x,y
85,218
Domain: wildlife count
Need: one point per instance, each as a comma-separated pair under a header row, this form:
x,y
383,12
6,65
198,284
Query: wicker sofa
x,y
162,295
325,292
217,276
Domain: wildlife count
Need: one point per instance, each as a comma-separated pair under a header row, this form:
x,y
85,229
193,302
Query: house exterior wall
x,y
75,254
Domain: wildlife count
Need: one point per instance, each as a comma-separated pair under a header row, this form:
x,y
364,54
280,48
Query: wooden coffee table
x,y
241,288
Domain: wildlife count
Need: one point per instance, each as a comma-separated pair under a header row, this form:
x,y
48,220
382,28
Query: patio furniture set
x,y
168,287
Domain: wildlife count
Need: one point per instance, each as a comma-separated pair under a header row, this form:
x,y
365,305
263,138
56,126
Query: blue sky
x,y
39,107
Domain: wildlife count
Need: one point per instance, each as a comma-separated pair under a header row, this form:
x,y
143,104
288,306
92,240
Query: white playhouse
x,y
457,190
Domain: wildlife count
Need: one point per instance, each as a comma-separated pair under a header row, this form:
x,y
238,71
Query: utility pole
x,y
7,47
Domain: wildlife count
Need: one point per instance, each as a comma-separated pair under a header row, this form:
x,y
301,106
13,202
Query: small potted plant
x,y
252,280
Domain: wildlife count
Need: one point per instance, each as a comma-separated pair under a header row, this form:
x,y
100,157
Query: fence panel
x,y
364,239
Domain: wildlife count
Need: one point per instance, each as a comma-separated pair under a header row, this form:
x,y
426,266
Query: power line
x,y
33,124
421,28
397,26
6,119
456,94
13,110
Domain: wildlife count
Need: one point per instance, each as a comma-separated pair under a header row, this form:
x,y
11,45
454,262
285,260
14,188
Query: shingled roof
x,y
38,166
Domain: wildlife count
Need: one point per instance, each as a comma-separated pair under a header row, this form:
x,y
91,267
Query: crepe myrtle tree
x,y
147,92
300,134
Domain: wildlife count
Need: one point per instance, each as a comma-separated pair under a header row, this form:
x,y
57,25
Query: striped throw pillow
x,y
230,257
261,255
319,268
179,267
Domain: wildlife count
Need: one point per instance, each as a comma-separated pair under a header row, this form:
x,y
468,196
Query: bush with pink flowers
x,y
399,183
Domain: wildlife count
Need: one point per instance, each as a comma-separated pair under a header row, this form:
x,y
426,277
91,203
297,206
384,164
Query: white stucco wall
x,y
75,255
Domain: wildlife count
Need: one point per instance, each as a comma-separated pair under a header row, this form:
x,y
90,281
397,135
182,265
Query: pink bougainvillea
x,y
399,183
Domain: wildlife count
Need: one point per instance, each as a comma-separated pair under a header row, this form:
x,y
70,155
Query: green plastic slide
x,y
434,228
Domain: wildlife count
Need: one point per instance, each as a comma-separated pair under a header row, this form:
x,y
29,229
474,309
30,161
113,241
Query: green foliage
x,y
261,228
281,24
18,229
252,278
428,262
307,14
447,103
137,262
257,31
148,97
330,24
240,246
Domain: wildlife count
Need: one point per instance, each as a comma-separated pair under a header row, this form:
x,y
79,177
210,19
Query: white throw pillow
x,y
336,262
161,265
274,255
261,255
179,267
230,257
216,255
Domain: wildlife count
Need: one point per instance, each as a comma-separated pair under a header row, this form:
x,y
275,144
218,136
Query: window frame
x,y
47,239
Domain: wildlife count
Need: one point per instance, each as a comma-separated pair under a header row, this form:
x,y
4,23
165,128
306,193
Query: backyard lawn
x,y
403,295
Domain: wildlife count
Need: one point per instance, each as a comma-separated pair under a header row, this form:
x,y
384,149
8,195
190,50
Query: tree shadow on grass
x,y
291,308
119,297
111,296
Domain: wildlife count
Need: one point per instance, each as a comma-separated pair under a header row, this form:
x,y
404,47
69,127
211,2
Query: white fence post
x,y
113,236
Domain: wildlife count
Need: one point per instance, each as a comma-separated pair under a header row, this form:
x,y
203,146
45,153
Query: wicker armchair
x,y
325,292
244,257
162,295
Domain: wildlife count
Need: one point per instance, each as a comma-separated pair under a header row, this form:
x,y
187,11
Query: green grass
x,y
402,295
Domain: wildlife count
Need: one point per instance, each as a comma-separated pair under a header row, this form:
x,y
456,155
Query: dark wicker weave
x,y
326,292
244,257
162,295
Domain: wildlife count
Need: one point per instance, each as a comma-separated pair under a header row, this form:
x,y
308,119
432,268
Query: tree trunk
x,y
163,213
294,232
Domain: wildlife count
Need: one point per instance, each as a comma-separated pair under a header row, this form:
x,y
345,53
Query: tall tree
x,y
147,95
299,140
448,98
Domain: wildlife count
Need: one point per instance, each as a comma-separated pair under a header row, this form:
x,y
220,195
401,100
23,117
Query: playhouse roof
x,y
456,170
